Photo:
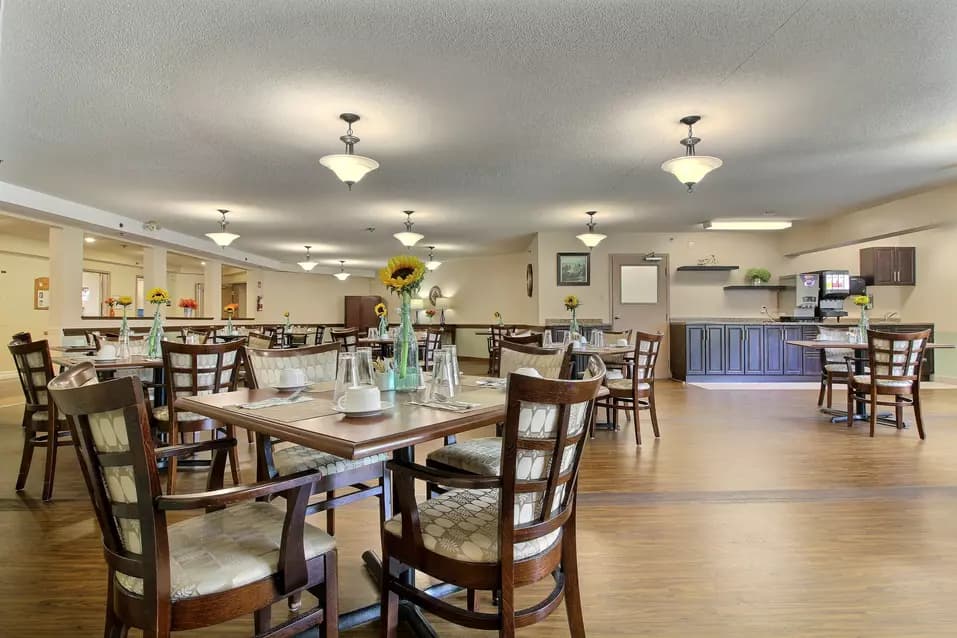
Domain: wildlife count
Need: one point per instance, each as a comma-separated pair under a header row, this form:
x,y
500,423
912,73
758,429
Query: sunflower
x,y
381,310
158,296
862,300
403,274
286,314
497,315
571,302
124,300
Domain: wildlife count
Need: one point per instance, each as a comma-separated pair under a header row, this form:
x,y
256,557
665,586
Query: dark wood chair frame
x,y
647,349
49,433
506,575
528,340
174,428
829,378
903,397
433,341
494,343
154,612
203,334
353,479
320,334
347,338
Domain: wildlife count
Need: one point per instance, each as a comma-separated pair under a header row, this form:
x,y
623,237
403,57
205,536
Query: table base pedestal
x,y
840,416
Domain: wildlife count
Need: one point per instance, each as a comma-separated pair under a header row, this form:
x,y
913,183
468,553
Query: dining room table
x,y
860,367
318,424
106,367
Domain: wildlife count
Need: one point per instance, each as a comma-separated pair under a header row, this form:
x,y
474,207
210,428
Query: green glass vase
x,y
406,353
153,348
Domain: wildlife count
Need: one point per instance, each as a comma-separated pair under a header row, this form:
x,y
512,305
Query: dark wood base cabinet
x,y
754,352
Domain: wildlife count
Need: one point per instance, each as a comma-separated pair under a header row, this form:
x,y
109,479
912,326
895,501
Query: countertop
x,y
845,322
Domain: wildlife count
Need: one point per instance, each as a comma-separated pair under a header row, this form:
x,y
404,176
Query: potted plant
x,y
189,305
758,276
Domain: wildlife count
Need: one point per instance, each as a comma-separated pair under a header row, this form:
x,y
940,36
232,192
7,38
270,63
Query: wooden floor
x,y
751,516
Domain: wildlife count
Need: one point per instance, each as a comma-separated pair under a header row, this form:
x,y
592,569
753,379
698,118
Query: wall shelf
x,y
753,287
708,268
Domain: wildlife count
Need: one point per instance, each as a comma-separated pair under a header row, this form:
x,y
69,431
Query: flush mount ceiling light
x,y
89,240
691,168
342,275
309,264
747,224
222,238
407,237
591,238
431,264
349,167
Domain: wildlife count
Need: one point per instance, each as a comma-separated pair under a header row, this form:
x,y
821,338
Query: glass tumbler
x,y
453,357
442,386
365,373
347,375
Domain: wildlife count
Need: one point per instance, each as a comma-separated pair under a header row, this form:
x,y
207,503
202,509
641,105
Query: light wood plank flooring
x,y
751,516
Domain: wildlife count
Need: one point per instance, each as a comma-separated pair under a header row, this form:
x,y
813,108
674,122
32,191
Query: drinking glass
x,y
441,386
347,374
546,338
453,358
373,333
565,337
365,373
597,338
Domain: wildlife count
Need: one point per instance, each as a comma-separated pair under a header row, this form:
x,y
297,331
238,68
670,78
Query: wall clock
x,y
529,280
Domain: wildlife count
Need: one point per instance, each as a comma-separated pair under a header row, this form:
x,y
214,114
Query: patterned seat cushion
x,y
227,549
162,414
625,385
317,367
42,416
289,458
478,456
840,367
865,379
463,525
548,365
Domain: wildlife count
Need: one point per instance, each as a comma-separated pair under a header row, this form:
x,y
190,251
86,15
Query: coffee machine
x,y
814,295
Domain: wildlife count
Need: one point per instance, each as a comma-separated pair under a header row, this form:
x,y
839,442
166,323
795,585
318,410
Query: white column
x,y
154,269
213,289
66,281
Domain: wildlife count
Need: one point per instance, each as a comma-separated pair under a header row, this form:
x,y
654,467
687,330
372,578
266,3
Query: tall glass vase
x,y
406,349
153,348
229,324
863,324
123,352
383,326
573,326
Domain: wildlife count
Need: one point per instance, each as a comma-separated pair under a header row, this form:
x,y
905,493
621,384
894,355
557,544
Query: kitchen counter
x,y
845,321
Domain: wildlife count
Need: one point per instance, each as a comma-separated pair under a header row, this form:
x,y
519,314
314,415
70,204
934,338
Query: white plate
x,y
383,406
291,388
105,359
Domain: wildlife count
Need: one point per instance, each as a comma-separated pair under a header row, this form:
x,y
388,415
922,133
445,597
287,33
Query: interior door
x,y
640,300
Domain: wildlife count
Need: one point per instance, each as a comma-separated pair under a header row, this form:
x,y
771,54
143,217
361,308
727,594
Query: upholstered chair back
x,y
200,369
896,356
647,348
347,338
835,355
318,362
35,370
550,363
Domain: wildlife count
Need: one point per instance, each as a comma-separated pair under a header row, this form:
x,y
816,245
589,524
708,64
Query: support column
x,y
213,289
66,281
154,269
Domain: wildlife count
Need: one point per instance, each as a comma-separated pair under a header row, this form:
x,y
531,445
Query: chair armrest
x,y
188,449
449,479
229,495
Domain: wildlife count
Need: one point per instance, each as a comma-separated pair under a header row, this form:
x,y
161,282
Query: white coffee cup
x,y
529,372
622,342
106,352
363,398
292,377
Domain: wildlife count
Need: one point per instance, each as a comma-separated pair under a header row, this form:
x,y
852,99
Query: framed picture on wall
x,y
574,269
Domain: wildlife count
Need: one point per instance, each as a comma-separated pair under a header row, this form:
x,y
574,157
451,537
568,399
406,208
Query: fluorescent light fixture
x,y
747,224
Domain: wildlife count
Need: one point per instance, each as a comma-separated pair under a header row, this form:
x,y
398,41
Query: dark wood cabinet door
x,y
906,265
754,349
734,349
885,266
714,349
774,350
695,349
360,311
793,355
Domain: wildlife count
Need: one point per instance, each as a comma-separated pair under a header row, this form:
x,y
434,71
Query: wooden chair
x,y
347,338
484,455
205,570
320,334
494,342
147,377
433,341
895,362
43,425
260,341
833,362
639,390
277,458
21,337
623,362
528,340
476,538
200,336
196,370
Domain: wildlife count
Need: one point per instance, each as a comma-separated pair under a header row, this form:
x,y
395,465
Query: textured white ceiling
x,y
493,120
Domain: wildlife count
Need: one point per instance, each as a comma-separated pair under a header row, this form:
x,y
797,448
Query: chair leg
x,y
917,415
573,603
851,391
295,602
330,515
262,620
470,600
654,412
899,412
820,395
25,458
634,408
171,465
113,627
250,436
389,617
330,602
233,457
830,391
873,414
506,610
50,468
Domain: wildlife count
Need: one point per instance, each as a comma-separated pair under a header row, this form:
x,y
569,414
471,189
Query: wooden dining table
x,y
860,363
316,424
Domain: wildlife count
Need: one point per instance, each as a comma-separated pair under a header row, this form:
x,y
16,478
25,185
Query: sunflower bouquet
x,y
403,275
158,297
498,317
571,304
382,312
124,301
862,300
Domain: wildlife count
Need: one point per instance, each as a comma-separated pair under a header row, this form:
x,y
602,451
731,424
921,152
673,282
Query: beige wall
x,y
309,298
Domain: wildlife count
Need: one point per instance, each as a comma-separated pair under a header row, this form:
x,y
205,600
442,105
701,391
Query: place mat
x,y
462,406
483,382
300,410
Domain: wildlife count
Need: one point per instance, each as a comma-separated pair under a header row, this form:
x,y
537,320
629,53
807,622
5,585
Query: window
x,y
639,284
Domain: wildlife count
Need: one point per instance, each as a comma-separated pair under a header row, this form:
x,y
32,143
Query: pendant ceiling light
x,y
222,238
591,238
407,237
342,275
309,264
349,167
431,264
691,168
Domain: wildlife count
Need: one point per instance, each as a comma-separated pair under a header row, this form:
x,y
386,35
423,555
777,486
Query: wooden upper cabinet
x,y
360,311
889,266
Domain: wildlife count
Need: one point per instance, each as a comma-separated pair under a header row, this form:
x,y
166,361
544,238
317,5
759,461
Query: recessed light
x,y
89,240
202,263
747,224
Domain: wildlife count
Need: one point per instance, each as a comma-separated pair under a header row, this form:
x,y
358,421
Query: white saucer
x,y
291,388
383,406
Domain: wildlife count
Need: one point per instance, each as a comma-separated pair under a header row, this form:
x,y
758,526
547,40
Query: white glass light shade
x,y
349,168
443,303
432,264
308,265
591,239
223,239
408,239
691,169
417,303
341,276
747,224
